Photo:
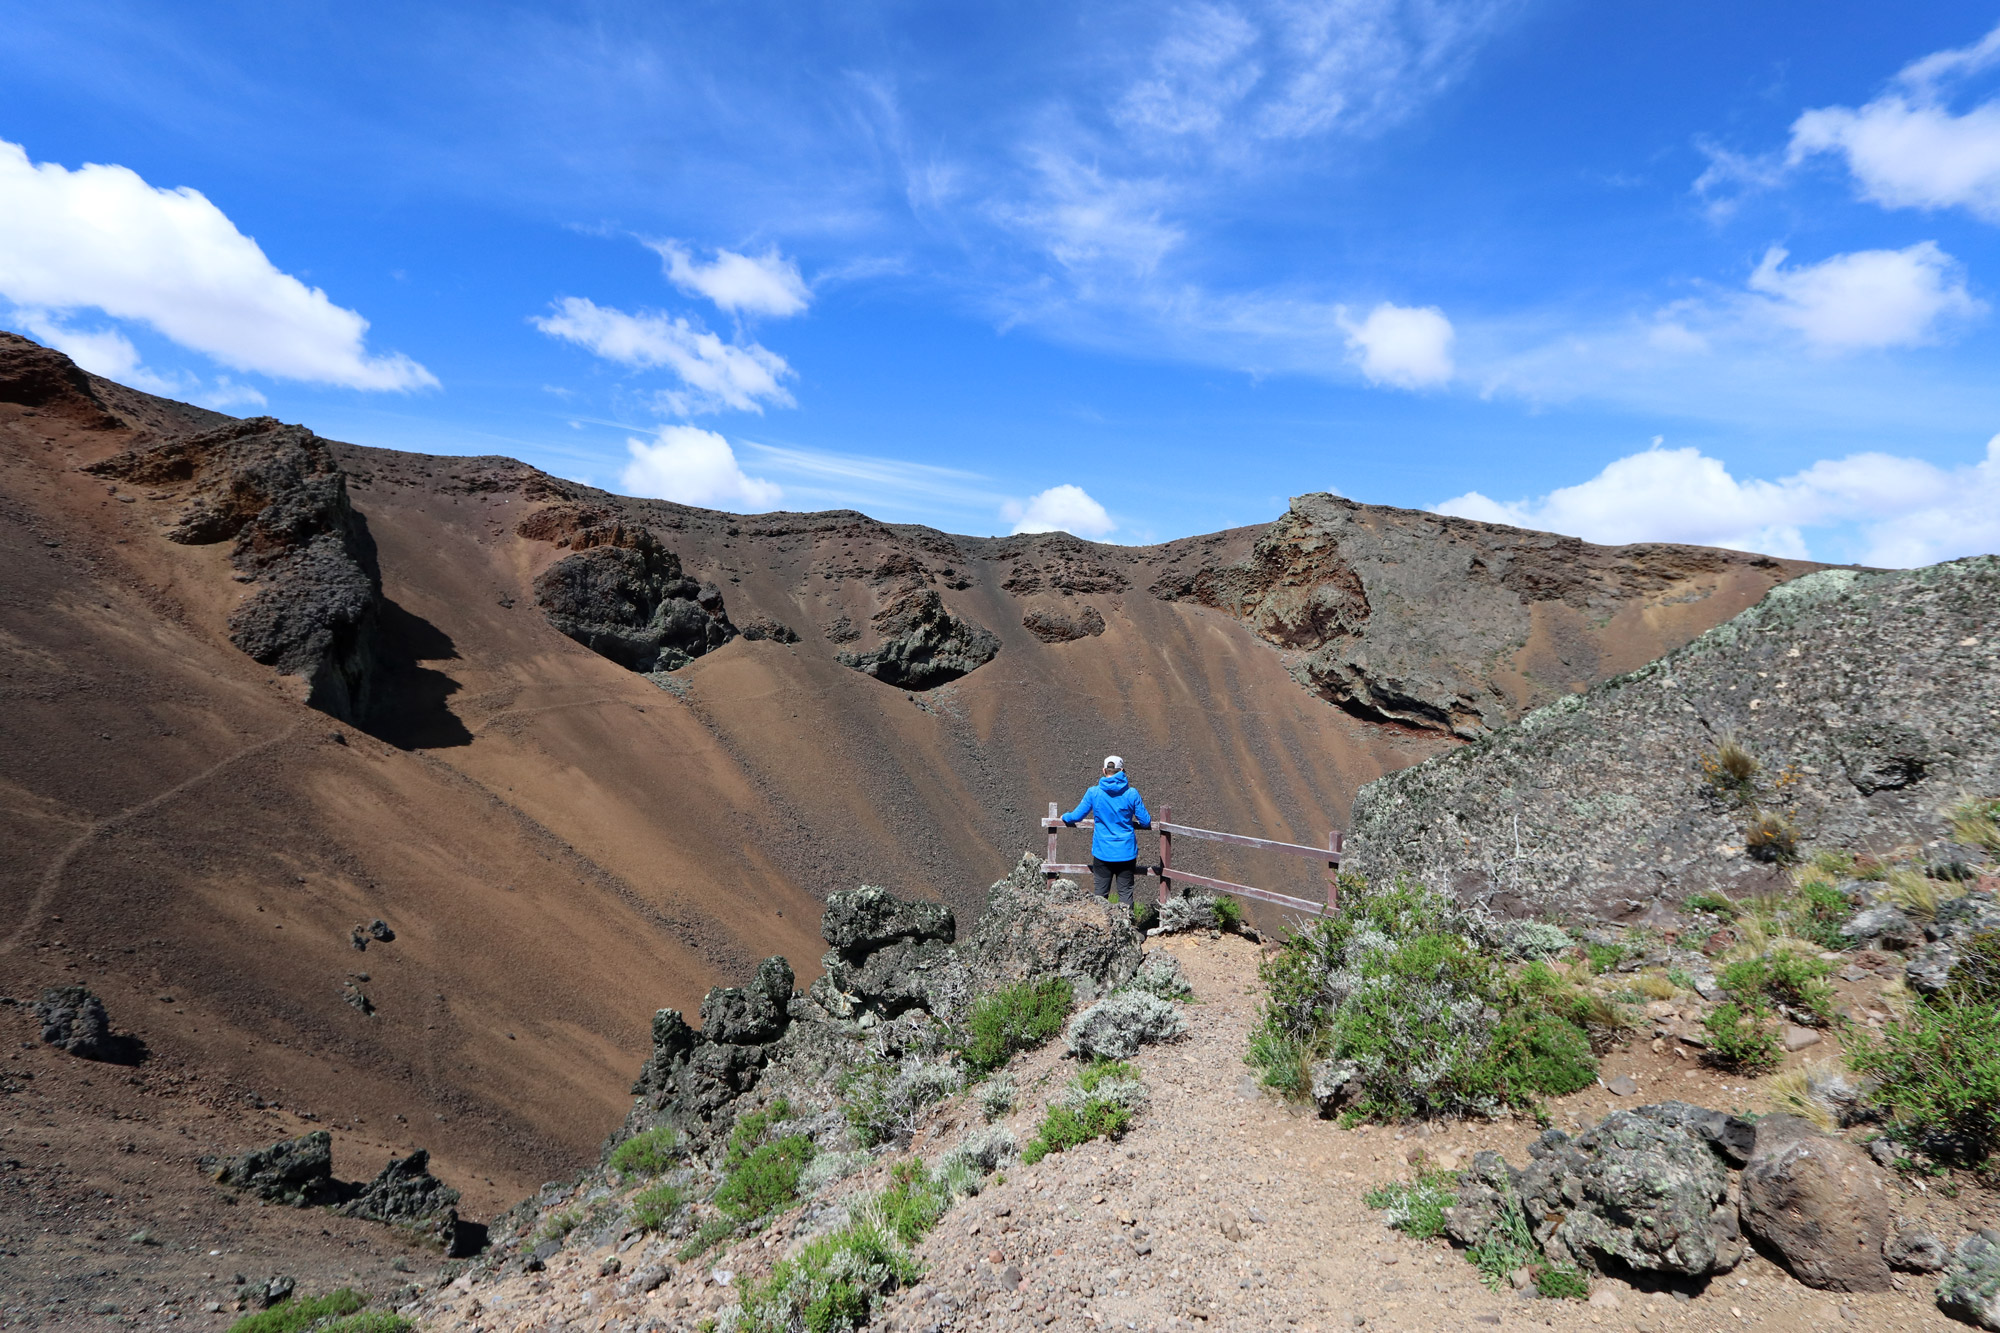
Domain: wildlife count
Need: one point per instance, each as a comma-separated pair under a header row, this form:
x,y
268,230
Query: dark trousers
x,y
1104,872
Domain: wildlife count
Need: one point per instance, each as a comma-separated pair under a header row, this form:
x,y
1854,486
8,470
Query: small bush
x,y
1535,940
1509,1246
301,1313
1741,1039
914,1201
1604,957
831,1286
1228,914
644,1154
1144,914
884,1105
1975,978
766,1181
1817,912
1914,892
653,1208
1937,1072
370,1321
1795,980
705,1238
557,1226
1015,1018
996,1098
1561,1284
1065,1127
1771,837
1416,1207
1731,771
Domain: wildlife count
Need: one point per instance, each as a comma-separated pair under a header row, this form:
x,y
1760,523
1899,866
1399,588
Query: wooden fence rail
x,y
1168,876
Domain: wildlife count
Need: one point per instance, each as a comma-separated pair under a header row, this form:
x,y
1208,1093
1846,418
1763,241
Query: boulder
x,y
1915,1250
74,1020
923,644
1820,1203
1035,928
890,955
869,918
405,1193
1730,1137
1639,1189
1486,1195
1970,1288
298,1172
633,605
1115,1027
692,1079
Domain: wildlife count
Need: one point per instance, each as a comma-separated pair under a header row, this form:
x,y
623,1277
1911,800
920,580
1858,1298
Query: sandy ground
x,y
1223,1209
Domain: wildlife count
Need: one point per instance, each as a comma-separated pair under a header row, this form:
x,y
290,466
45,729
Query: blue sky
x,y
1650,271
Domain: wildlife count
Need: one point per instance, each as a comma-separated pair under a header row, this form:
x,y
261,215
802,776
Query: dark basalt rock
x,y
46,380
632,604
750,1015
404,1193
74,1020
1970,1288
1054,625
298,1172
859,922
922,644
1820,1205
693,1078
279,495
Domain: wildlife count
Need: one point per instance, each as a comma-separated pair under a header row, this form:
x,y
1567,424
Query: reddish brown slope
x,y
562,845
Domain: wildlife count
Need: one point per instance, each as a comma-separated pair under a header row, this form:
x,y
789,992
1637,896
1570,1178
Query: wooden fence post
x,y
1166,853
1055,816
1333,842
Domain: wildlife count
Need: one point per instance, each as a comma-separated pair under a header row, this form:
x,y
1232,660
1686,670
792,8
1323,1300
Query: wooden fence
x,y
1168,876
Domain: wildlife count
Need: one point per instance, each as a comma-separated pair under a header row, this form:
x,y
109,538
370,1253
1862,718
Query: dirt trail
x,y
1223,1209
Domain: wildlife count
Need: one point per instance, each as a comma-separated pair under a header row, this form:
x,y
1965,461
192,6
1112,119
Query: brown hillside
x,y
562,845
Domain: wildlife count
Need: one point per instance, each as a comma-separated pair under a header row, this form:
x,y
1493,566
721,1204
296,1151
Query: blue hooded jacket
x,y
1117,806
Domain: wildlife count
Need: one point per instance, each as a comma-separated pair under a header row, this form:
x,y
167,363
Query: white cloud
x,y
1907,511
693,466
1405,346
101,238
1200,70
1867,298
1906,149
1064,508
1088,219
716,374
766,284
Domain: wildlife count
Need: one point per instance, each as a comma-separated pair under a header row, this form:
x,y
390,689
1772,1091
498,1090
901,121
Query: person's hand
x,y
1069,823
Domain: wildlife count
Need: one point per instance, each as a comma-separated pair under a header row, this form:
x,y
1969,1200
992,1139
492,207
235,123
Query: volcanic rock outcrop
x,y
922,644
46,380
277,493
1868,703
1447,624
632,604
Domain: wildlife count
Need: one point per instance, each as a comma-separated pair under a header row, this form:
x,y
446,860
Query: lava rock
x,y
296,1171
633,605
1884,926
750,1015
1060,625
1820,1204
859,922
404,1193
1915,1251
74,1020
923,645
1637,1189
1730,1137
46,380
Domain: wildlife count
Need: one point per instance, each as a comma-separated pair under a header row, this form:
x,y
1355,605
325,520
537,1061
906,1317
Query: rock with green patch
x,y
1970,1288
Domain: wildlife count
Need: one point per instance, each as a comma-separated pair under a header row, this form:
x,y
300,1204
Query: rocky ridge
x,y
1868,703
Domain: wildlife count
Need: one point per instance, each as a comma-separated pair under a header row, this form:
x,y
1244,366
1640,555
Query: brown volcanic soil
x,y
563,846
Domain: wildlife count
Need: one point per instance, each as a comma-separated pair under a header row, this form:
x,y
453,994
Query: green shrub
x,y
1065,1127
1145,914
644,1154
1794,979
766,1180
1015,1018
557,1226
831,1286
1975,978
1416,1207
1741,1038
301,1313
370,1321
1100,1072
1508,1246
1937,1071
1228,914
1561,1284
752,1129
915,1200
1604,957
653,1208
1394,985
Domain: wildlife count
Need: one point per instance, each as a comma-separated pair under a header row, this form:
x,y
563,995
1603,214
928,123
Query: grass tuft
x,y
644,1154
1015,1018
1975,822
1741,1039
653,1208
319,1314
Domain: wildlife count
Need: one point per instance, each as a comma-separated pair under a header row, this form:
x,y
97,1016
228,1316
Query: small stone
x,y
1258,1217
1798,1038
1622,1086
1604,1298
610,1266
1521,1278
1387,1257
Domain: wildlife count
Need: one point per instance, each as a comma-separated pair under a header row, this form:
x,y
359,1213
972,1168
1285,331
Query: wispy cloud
x,y
766,284
714,375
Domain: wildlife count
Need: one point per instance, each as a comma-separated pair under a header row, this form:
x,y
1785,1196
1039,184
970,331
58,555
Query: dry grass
x,y
1799,1091
1976,823
1914,892
1655,986
1772,837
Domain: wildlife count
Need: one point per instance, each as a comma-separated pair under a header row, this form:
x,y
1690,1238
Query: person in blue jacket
x,y
1118,808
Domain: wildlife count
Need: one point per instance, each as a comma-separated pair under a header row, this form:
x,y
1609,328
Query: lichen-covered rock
x,y
1486,1194
1117,1026
1956,921
889,954
693,1079
922,643
296,1171
1970,1288
74,1020
1636,1189
1869,694
1914,1250
1884,926
404,1193
1820,1204
633,605
858,922
1031,928
1730,1137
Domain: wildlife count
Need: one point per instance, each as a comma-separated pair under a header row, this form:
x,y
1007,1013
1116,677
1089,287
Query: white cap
x,y
1114,763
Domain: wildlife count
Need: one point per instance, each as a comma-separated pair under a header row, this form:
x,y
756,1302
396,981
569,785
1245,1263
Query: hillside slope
x,y
562,845
1869,703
